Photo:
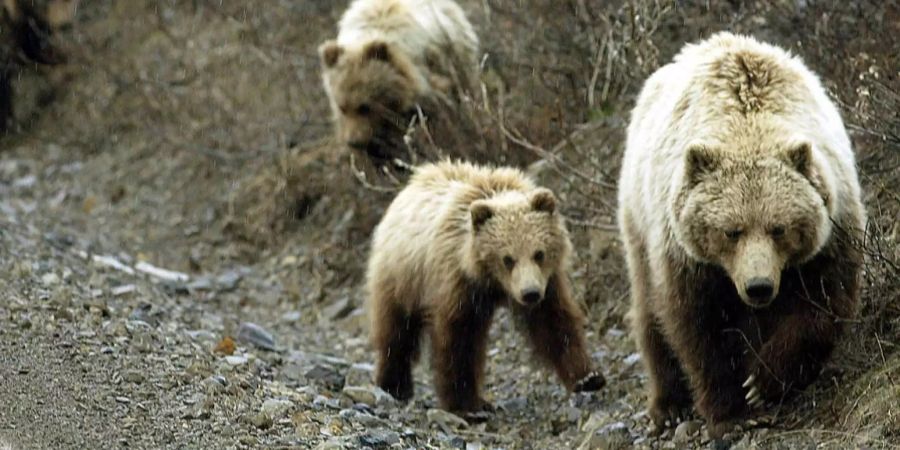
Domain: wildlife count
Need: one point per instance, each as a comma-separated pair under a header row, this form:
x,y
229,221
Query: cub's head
x,y
373,91
519,241
753,216
33,23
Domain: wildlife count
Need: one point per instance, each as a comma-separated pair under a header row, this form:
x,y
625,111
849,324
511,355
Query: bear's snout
x,y
531,296
760,291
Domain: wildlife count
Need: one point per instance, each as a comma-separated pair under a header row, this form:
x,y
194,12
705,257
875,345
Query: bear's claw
x,y
754,394
593,381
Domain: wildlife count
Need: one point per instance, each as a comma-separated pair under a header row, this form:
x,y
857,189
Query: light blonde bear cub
x,y
388,56
457,243
740,211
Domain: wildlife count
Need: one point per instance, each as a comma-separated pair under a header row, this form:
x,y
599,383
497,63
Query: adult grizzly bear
x,y
740,211
389,57
458,242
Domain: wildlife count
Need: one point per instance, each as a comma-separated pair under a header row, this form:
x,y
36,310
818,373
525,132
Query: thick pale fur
x,y
737,168
437,264
390,55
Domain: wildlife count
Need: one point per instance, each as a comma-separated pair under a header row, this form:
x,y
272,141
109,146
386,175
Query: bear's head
x,y
753,215
519,241
373,90
33,23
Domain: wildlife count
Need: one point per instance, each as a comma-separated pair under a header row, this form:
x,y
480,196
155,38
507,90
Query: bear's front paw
x,y
667,414
760,387
593,381
483,413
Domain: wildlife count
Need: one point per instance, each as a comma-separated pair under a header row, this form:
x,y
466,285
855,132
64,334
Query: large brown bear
x,y
740,210
390,57
458,242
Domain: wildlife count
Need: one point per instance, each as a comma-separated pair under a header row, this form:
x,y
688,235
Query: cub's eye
x,y
777,231
509,262
363,109
734,234
539,256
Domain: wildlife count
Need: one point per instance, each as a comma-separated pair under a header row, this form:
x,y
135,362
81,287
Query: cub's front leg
x,y
459,345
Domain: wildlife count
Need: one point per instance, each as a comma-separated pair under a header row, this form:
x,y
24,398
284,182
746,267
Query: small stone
x,y
439,416
359,374
50,279
333,444
339,309
326,374
380,439
123,290
124,400
144,313
614,436
361,395
686,430
236,360
225,346
262,421
254,334
514,405
228,281
215,384
133,376
275,407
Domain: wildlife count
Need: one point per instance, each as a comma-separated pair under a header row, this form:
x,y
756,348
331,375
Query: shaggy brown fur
x,y
741,216
457,243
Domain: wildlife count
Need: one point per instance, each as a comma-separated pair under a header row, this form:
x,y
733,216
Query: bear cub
x,y
742,220
457,243
390,58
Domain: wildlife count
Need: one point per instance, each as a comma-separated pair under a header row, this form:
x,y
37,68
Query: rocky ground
x,y
181,249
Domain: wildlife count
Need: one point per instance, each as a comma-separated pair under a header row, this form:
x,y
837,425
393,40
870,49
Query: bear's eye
x,y
363,109
509,262
734,233
539,256
777,231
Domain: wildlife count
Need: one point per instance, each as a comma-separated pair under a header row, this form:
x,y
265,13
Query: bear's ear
x,y
543,200
799,156
701,160
329,52
480,212
378,50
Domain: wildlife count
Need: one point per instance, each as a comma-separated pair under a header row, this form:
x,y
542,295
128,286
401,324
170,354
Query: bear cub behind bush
x,y
390,57
457,243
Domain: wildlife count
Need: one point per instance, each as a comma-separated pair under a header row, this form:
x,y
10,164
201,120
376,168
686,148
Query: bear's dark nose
x,y
531,296
760,288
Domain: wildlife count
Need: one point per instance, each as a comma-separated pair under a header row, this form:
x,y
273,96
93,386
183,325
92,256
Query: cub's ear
x,y
329,52
378,50
799,156
480,212
543,200
700,160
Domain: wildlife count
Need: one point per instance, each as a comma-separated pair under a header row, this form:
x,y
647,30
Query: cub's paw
x,y
593,381
666,414
482,414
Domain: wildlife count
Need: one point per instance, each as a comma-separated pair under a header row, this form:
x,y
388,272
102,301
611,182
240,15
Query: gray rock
x,y
359,375
144,313
276,408
379,439
133,376
228,281
327,375
215,384
339,309
262,421
251,333
360,394
614,436
446,418
333,444
685,431
236,360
